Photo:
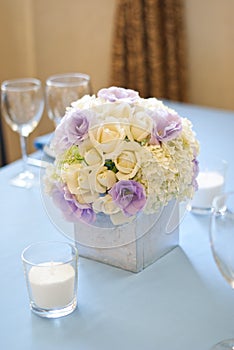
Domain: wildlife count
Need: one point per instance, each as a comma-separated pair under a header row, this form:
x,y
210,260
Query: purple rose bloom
x,y
72,130
167,126
129,195
77,126
72,210
114,93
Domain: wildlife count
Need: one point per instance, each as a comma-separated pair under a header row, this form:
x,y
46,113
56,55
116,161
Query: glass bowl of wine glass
x,y
62,89
22,105
222,243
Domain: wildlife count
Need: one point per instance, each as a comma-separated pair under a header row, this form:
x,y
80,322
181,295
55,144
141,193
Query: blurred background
x,y
181,50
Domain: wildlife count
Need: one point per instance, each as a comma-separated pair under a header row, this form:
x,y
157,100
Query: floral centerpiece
x,y
119,154
122,163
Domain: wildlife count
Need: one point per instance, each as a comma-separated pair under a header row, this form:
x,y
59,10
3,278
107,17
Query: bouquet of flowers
x,y
119,154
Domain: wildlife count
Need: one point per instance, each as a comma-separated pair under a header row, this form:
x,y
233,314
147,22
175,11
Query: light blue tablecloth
x,y
180,302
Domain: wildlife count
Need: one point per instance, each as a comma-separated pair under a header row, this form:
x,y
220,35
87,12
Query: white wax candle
x,y
52,284
210,184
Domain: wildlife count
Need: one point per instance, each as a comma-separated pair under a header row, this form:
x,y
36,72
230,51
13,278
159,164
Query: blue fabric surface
x,y
180,302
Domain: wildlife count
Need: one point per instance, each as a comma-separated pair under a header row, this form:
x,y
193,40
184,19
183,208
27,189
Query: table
x,y
180,302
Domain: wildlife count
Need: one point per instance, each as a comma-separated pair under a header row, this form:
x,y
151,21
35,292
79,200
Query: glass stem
x,y
24,151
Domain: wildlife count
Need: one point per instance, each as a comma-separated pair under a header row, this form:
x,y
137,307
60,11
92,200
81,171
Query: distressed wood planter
x,y
133,246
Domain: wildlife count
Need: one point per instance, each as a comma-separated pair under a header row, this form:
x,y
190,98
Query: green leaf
x,y
72,156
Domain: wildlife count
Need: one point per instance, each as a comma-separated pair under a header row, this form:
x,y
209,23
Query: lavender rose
x,y
128,195
77,127
167,126
72,210
72,130
114,93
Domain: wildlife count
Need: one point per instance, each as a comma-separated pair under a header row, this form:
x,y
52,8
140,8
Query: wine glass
x,y
62,89
22,105
222,243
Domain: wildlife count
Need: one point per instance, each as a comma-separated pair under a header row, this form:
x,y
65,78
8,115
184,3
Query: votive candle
x,y
210,184
52,284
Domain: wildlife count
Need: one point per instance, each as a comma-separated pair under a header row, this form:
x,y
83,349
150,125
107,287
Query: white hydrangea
x,y
166,170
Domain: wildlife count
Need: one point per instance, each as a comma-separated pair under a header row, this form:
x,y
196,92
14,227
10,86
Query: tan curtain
x,y
149,48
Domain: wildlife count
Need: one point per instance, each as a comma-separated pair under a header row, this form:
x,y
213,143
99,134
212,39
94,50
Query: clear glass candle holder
x,y
211,183
51,273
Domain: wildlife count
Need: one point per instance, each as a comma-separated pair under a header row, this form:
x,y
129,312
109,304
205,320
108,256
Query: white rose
x,y
141,125
106,178
127,160
107,136
106,205
77,182
102,179
117,111
91,154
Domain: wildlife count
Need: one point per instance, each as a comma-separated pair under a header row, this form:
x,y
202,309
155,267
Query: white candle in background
x,y
52,284
210,184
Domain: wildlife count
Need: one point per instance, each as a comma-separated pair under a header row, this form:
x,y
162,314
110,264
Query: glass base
x,y
224,345
199,210
55,312
25,179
